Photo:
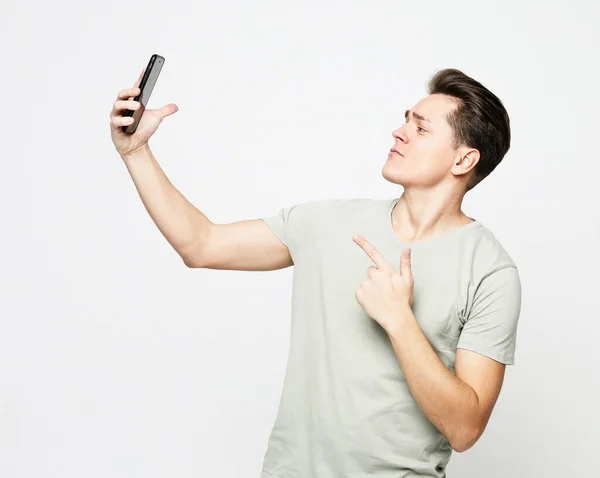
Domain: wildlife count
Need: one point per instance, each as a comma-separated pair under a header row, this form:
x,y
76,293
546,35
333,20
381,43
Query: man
x,y
405,310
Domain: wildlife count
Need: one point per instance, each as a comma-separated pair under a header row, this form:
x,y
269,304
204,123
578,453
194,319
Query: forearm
x,y
182,224
449,403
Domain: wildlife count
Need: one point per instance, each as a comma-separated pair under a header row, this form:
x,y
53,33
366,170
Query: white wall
x,y
117,360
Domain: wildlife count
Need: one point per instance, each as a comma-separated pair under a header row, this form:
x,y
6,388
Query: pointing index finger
x,y
373,253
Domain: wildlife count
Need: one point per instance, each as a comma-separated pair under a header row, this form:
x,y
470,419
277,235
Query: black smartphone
x,y
146,86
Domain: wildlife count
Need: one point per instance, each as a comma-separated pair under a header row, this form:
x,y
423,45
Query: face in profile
x,y
425,143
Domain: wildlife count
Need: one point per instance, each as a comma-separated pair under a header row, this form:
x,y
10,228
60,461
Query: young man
x,y
399,337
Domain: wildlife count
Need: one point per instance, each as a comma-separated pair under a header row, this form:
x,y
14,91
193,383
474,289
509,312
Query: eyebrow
x,y
417,115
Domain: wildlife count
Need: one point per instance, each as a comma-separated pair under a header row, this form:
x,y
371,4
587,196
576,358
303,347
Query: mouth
x,y
392,150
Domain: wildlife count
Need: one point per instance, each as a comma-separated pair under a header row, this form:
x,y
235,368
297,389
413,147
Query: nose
x,y
399,135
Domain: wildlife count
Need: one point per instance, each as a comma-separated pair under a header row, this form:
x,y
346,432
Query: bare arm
x,y
245,245
177,219
460,404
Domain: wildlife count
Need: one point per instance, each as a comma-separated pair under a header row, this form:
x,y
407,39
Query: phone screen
x,y
146,86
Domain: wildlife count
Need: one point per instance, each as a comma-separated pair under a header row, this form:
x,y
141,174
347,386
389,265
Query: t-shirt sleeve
x,y
295,225
491,325
279,224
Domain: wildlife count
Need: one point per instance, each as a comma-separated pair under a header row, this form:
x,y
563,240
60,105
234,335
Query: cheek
x,y
431,163
435,155
433,147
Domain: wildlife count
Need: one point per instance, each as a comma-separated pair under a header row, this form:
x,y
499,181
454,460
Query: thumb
x,y
168,110
405,264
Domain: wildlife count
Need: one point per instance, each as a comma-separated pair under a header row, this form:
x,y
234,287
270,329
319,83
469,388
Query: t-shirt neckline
x,y
413,245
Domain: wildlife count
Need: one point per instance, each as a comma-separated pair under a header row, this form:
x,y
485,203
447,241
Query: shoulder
x,y
352,206
339,206
489,255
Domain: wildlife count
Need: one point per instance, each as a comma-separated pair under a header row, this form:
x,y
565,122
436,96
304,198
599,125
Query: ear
x,y
470,160
466,161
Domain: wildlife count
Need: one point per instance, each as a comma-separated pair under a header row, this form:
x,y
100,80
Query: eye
x,y
418,127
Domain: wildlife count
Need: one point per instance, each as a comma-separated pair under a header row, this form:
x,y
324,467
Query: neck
x,y
421,215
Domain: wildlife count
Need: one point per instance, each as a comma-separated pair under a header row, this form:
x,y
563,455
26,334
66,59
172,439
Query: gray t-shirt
x,y
346,410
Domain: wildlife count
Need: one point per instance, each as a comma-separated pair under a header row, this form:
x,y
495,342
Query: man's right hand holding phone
x,y
125,143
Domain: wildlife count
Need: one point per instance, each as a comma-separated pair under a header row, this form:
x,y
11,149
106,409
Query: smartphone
x,y
146,86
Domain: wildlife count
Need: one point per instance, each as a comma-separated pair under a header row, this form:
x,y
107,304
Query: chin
x,y
394,177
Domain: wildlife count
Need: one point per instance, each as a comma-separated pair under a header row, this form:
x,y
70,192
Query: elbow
x,y
192,257
190,263
465,440
460,447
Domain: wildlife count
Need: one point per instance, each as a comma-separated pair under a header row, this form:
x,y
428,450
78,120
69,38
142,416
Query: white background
x,y
118,361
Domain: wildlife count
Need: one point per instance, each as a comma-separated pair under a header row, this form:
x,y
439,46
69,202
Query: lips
x,y
392,150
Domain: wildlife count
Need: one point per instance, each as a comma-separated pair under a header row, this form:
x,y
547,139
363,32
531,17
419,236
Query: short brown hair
x,y
479,121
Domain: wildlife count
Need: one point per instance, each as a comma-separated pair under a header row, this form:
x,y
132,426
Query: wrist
x,y
140,151
396,323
